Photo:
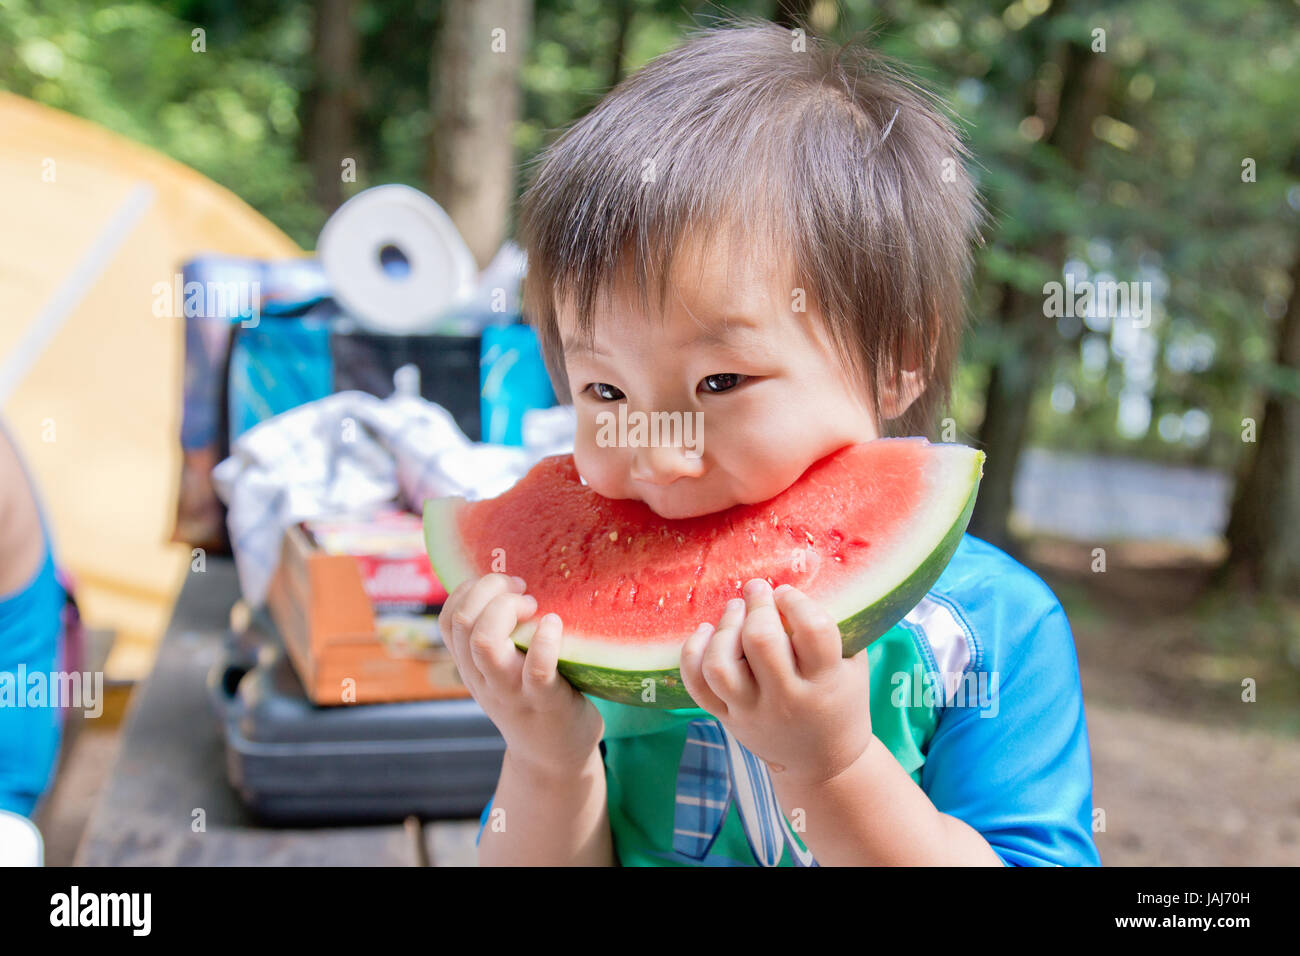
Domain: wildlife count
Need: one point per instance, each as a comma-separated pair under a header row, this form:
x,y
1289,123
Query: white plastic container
x,y
20,841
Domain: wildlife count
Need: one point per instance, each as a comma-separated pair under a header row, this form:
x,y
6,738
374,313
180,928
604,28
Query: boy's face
x,y
771,395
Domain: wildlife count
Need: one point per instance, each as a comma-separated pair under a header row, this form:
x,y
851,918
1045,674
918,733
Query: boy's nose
x,y
664,464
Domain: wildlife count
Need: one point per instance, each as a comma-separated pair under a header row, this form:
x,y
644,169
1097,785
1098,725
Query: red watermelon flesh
x,y
865,531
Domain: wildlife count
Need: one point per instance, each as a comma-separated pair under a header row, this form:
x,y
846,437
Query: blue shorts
x,y
31,625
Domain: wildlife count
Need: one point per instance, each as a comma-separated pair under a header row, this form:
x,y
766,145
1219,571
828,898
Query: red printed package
x,y
389,550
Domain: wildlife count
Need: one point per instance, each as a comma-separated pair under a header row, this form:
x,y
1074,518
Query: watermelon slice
x,y
866,531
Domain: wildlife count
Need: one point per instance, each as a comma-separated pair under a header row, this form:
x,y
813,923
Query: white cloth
x,y
352,452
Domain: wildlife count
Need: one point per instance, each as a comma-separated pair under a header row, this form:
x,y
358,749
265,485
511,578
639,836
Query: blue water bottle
x,y
512,379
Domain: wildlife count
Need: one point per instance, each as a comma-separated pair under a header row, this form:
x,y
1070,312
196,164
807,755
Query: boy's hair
x,y
826,156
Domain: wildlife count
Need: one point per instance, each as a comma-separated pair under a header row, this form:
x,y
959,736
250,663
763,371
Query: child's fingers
x,y
539,669
724,667
458,645
692,677
762,637
490,646
470,603
815,637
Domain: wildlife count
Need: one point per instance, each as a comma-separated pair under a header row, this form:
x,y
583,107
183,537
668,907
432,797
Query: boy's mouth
x,y
682,514
678,506
685,503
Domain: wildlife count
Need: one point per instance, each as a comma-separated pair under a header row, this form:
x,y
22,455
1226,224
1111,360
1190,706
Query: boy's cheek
x,y
599,467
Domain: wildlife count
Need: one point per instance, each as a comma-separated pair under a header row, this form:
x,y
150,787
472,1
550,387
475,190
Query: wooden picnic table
x,y
172,763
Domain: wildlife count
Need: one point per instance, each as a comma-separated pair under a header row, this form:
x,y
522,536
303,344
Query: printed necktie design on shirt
x,y
716,769
703,789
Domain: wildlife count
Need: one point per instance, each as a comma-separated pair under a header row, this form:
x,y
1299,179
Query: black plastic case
x,y
293,762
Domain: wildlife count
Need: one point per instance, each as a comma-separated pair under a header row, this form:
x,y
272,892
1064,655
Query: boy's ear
x,y
895,401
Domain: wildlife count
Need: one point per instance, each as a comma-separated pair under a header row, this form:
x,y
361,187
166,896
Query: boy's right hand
x,y
547,724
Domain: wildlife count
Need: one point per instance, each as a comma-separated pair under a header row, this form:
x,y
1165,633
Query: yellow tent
x,y
90,378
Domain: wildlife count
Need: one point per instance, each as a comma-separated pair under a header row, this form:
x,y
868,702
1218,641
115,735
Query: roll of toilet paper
x,y
394,260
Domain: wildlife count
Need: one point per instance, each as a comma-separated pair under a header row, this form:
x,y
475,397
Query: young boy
x,y
775,235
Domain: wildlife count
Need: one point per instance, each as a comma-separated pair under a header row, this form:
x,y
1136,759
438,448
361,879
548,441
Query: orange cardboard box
x,y
342,651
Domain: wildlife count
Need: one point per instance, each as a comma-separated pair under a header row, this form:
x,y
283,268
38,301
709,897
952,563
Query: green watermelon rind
x,y
663,688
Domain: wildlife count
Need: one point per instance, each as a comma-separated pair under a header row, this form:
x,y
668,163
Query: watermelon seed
x,y
566,572
564,548
613,536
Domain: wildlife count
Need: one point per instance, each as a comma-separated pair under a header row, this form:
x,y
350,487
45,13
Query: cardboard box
x,y
347,648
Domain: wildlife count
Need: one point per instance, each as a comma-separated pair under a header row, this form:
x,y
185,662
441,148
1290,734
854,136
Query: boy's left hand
x,y
787,694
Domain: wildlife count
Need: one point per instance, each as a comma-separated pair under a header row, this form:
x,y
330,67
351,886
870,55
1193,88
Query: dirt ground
x,y
1186,772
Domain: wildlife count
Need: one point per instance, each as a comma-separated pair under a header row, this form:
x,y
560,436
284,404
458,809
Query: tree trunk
x,y
1264,527
1012,381
331,101
476,61
622,23
792,13
1016,375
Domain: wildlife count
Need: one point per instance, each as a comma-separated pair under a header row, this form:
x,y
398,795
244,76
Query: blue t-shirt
x,y
31,624
976,693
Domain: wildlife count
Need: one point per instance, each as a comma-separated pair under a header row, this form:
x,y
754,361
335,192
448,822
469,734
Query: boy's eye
x,y
606,392
721,382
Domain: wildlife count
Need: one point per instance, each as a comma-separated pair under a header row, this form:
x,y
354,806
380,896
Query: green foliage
x,y
229,112
1196,87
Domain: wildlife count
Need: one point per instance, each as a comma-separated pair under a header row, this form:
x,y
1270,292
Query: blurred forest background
x,y
1151,141
1147,141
